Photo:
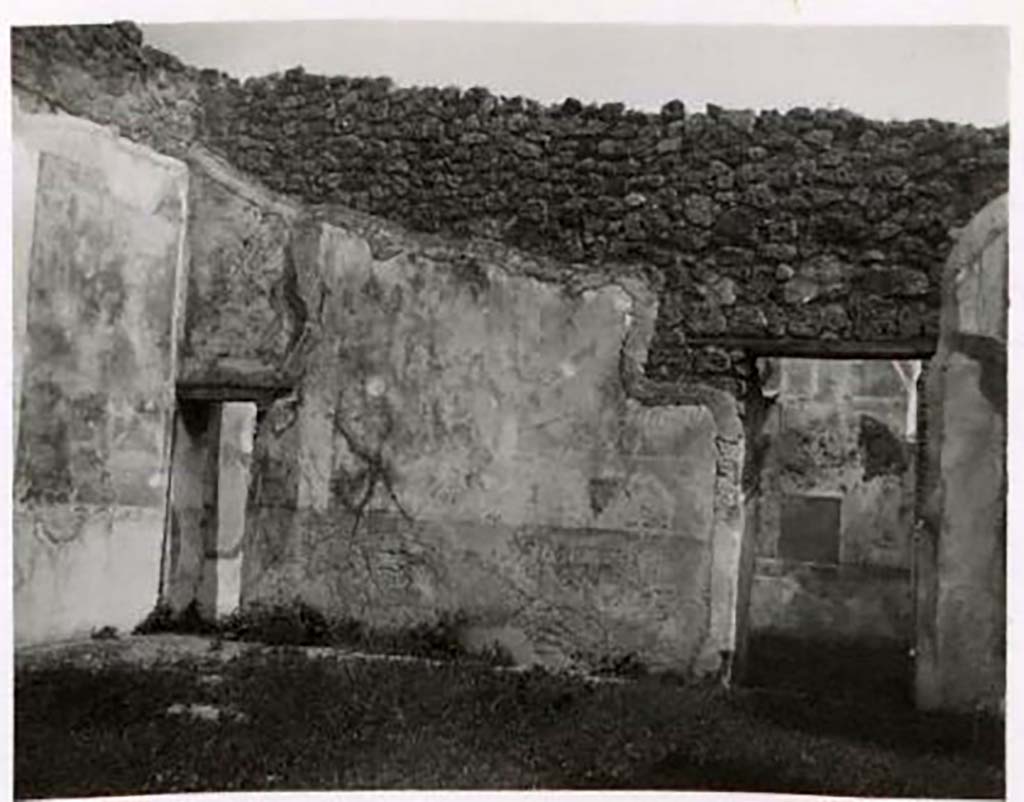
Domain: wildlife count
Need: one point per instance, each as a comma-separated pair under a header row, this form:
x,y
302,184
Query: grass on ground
x,y
322,723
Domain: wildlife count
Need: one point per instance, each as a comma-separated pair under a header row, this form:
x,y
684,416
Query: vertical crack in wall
x,y
295,303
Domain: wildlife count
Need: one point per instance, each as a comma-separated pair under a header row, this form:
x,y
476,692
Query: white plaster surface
x,y
84,565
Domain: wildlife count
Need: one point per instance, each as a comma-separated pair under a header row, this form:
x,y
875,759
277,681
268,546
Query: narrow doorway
x,y
210,469
830,602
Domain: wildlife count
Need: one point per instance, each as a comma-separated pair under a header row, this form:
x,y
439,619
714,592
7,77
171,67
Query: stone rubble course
x,y
826,225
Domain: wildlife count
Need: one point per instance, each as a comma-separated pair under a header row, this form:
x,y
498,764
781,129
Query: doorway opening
x,y
211,459
833,501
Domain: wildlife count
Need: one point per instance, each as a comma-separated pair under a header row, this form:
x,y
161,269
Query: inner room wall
x,y
836,501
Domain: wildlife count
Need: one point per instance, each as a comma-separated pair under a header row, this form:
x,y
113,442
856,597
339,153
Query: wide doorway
x,y
830,601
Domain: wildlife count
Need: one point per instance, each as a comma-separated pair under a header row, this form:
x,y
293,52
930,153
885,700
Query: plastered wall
x,y
961,593
538,412
99,247
839,434
453,433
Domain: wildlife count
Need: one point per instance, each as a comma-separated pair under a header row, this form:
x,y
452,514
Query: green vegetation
x,y
298,624
298,722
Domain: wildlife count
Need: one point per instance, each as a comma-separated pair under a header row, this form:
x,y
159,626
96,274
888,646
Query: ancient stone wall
x,y
458,411
803,226
454,429
836,501
444,427
104,73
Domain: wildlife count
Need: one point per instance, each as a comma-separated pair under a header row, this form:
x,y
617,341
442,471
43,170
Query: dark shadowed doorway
x,y
830,606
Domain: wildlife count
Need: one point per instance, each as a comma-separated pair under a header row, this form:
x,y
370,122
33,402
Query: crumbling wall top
x,y
812,226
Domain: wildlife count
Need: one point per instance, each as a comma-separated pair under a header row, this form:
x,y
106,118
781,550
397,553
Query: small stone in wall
x,y
819,137
835,318
896,280
704,319
740,119
735,226
611,148
699,210
528,150
712,359
781,251
571,106
748,321
670,145
673,110
804,321
722,176
721,291
799,290
820,277
892,176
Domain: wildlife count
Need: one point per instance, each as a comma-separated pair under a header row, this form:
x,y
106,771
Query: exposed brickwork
x,y
805,225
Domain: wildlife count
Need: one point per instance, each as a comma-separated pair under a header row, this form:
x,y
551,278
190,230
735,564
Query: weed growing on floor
x,y
292,722
625,666
299,624
163,619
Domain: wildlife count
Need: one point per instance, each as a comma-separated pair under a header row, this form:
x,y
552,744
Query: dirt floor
x,y
875,674
162,714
